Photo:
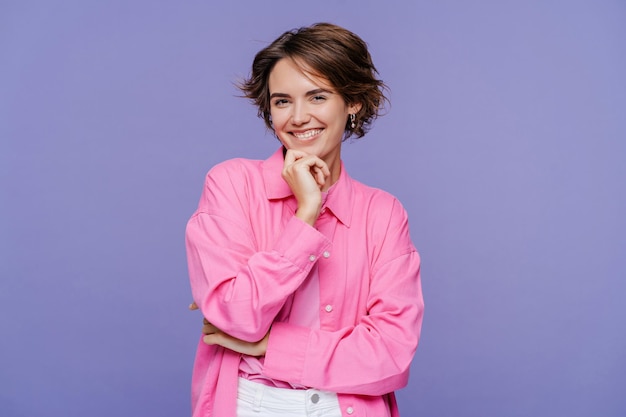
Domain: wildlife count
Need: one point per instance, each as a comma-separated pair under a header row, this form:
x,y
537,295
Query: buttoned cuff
x,y
301,244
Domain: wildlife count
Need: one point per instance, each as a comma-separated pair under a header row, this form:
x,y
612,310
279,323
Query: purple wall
x,y
506,142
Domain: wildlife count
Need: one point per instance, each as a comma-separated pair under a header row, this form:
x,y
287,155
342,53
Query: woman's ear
x,y
354,108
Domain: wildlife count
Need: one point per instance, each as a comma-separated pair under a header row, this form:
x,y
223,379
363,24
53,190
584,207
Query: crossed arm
x,y
214,336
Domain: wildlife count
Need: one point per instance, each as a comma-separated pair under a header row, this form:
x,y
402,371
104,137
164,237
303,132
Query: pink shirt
x,y
303,311
248,254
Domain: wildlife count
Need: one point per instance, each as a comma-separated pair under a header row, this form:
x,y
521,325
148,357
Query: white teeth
x,y
308,134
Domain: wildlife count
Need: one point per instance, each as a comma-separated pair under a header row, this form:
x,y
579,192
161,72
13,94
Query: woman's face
x,y
307,113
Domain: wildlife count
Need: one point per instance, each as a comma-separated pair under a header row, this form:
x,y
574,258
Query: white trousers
x,y
258,400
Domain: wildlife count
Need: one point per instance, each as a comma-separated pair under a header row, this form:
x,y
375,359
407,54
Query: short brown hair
x,y
331,52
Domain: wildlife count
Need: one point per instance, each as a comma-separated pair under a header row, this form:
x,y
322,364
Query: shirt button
x,y
328,308
349,410
326,254
312,258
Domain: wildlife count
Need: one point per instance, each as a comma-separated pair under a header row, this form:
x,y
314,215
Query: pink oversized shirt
x,y
248,254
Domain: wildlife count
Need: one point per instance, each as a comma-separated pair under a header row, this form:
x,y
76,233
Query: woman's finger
x,y
212,339
307,164
318,174
208,328
293,155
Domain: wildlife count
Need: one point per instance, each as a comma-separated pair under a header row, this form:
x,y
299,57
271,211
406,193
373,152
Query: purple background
x,y
506,142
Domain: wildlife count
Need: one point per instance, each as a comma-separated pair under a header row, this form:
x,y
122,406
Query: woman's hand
x,y
306,175
214,336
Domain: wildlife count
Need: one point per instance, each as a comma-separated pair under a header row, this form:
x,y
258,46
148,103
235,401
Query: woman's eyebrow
x,y
318,91
308,93
279,95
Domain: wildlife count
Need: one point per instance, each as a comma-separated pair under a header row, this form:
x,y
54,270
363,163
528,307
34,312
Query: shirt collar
x,y
340,198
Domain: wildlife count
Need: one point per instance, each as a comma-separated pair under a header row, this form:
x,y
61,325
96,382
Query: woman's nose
x,y
300,114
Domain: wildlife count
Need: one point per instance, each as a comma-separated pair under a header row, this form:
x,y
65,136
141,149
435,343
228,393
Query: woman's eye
x,y
319,98
280,102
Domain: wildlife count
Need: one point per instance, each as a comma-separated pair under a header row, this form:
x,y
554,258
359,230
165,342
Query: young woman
x,y
307,279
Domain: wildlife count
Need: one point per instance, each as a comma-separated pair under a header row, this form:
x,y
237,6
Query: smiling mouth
x,y
308,134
